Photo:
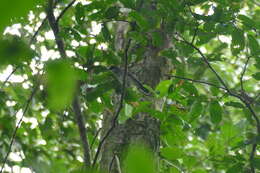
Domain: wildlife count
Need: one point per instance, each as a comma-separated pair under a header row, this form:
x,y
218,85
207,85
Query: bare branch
x,y
8,77
195,34
197,81
64,11
206,61
243,73
111,164
38,30
95,137
41,26
55,28
240,97
19,123
120,104
82,131
61,47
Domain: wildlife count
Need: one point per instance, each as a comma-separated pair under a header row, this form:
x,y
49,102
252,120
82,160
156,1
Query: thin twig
x,y
120,104
95,137
38,30
241,98
198,81
195,34
256,97
31,41
64,10
18,124
243,73
8,77
223,83
254,115
41,26
206,61
111,164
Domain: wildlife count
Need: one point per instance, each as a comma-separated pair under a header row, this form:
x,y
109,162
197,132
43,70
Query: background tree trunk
x,y
141,128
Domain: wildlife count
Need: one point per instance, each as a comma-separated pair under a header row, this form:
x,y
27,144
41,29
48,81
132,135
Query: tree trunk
x,y
141,128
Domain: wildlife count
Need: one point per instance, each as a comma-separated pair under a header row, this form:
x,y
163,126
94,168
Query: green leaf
x,y
139,160
171,153
234,104
163,87
106,33
256,163
235,168
14,51
58,165
253,45
61,82
76,34
157,39
195,2
230,133
112,12
86,52
246,21
195,110
128,3
215,112
140,20
98,91
176,136
175,170
205,37
256,76
80,13
81,74
189,87
238,41
16,10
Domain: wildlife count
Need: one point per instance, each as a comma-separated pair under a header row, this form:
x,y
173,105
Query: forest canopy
x,y
130,86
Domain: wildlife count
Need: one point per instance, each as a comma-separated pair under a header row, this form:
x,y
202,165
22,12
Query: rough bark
x,y
141,128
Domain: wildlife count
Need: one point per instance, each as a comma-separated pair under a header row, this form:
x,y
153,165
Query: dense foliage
x,y
54,68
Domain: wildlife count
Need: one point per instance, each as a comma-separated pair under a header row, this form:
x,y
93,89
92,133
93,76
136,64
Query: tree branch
x,y
243,73
31,41
82,131
64,11
8,77
111,164
95,137
195,34
204,58
19,123
120,103
38,30
55,28
41,26
79,118
197,81
240,97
